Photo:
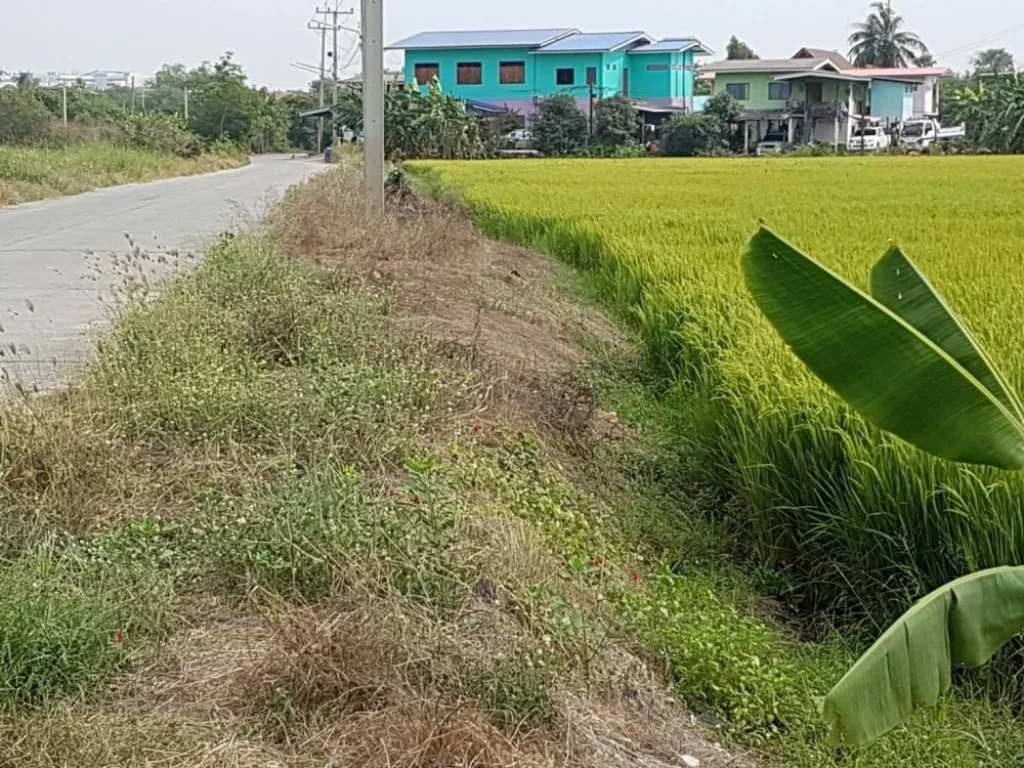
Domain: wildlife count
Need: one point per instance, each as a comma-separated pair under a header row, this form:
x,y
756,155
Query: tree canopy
x,y
736,49
997,61
882,41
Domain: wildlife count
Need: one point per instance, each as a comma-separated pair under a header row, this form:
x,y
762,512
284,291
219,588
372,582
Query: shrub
x,y
162,133
692,135
23,118
559,125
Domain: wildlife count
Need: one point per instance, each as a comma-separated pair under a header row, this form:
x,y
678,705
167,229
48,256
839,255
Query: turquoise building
x,y
507,69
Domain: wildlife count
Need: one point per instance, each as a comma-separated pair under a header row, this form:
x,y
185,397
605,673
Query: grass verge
x,y
33,174
270,524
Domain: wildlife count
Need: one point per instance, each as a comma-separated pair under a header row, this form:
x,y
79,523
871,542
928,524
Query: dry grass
x,y
28,174
489,307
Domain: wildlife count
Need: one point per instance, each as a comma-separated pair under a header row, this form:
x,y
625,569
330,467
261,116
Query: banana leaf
x,y
887,370
962,623
897,283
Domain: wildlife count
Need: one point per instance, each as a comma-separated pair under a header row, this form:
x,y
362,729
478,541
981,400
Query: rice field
x,y
857,522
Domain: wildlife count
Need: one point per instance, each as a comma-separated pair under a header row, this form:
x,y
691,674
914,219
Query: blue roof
x,y
673,45
601,41
495,38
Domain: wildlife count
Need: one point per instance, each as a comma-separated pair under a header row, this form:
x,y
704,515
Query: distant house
x,y
508,69
817,95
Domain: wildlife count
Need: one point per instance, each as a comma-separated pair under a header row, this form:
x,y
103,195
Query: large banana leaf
x,y
891,373
962,623
897,283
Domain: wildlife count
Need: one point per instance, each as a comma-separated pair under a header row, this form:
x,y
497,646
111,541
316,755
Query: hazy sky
x,y
268,35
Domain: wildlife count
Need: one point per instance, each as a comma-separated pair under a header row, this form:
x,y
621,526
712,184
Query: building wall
x,y
892,101
490,88
673,84
757,92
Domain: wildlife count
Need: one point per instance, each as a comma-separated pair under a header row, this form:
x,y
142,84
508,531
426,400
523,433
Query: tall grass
x,y
857,522
31,173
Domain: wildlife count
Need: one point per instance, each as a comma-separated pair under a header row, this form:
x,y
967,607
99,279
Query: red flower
x,y
415,499
389,492
597,562
371,346
119,638
476,429
634,576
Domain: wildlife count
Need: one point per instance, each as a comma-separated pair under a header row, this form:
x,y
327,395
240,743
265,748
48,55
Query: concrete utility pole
x,y
133,94
373,103
64,95
333,26
186,103
323,54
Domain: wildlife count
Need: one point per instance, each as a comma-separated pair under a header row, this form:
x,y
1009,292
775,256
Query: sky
x,y
268,36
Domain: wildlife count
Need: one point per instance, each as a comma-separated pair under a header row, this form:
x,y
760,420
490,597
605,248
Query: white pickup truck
x,y
870,138
918,134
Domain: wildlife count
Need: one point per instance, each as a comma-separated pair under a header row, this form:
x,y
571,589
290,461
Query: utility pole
x,y
186,103
373,103
323,54
64,94
133,94
323,27
591,113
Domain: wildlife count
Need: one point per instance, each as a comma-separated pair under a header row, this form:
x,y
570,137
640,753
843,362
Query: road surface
x,y
56,256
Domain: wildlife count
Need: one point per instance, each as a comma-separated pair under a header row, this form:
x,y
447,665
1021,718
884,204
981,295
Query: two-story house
x,y
818,95
508,69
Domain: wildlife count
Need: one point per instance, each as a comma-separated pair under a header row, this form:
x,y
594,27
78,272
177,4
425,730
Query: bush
x,y
23,118
166,134
616,122
559,125
692,135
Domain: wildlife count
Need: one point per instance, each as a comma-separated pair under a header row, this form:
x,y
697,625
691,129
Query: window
x,y
778,91
468,73
657,67
591,75
739,91
512,72
565,76
425,73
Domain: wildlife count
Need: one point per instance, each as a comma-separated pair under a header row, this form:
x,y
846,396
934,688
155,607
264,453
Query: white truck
x,y
919,134
869,138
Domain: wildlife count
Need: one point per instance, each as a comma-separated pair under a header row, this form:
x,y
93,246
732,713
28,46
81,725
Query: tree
x,y
692,135
558,124
739,50
24,119
924,60
616,121
225,107
881,42
724,107
923,377
996,61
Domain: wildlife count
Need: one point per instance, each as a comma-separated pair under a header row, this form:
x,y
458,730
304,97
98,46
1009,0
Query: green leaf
x,y
962,623
887,370
897,283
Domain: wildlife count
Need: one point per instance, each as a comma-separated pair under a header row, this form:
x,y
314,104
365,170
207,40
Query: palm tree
x,y
881,42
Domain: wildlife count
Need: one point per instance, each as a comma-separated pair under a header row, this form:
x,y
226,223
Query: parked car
x,y
772,144
521,138
918,134
870,138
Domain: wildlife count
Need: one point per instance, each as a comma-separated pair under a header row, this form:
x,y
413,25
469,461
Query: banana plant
x,y
907,363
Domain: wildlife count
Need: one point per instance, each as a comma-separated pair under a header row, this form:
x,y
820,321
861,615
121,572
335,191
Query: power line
x,y
969,46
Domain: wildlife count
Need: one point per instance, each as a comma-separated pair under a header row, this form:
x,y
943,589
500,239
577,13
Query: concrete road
x,y
58,258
